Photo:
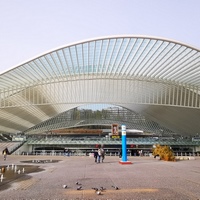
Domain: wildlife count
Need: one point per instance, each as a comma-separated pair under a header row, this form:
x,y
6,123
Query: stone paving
x,y
145,179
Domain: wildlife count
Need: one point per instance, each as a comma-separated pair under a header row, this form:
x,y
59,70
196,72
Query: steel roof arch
x,y
40,74
100,38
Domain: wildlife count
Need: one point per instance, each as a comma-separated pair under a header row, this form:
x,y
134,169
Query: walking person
x,y
95,155
5,153
102,154
99,155
120,153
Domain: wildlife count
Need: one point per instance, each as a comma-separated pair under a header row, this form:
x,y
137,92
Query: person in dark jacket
x,y
120,153
95,155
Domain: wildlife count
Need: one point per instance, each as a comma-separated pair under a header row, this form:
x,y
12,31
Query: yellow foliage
x,y
164,152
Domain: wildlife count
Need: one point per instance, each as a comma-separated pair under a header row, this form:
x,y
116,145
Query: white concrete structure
x,y
156,77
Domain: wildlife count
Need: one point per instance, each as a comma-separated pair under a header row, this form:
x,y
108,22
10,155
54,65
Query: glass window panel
x,y
114,54
73,55
85,57
127,52
37,63
91,56
170,61
79,51
58,63
137,52
108,55
110,50
10,79
152,48
68,59
120,55
63,61
162,59
33,72
183,65
49,62
97,55
131,53
104,48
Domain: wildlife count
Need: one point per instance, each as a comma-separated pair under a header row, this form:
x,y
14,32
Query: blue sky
x,y
30,27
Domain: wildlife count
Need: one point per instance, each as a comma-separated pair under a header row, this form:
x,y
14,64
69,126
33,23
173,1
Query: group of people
x,y
67,152
99,155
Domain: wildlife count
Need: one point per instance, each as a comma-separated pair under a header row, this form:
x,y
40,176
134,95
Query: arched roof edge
x,y
95,39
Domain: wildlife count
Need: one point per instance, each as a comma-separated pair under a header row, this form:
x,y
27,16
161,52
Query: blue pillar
x,y
124,154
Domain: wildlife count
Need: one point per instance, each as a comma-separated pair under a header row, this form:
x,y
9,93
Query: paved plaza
x,y
146,178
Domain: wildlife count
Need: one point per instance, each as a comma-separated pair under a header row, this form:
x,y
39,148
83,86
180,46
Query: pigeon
x,y
116,188
96,189
64,186
102,188
79,188
98,192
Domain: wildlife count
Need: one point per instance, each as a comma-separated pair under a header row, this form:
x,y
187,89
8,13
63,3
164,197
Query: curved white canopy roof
x,y
137,72
138,56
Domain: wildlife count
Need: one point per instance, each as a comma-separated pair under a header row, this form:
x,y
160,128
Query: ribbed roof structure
x,y
156,77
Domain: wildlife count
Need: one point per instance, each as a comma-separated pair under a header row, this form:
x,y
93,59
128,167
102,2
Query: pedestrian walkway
x,y
146,178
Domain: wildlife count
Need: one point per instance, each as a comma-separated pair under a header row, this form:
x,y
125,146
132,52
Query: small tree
x,y
164,152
